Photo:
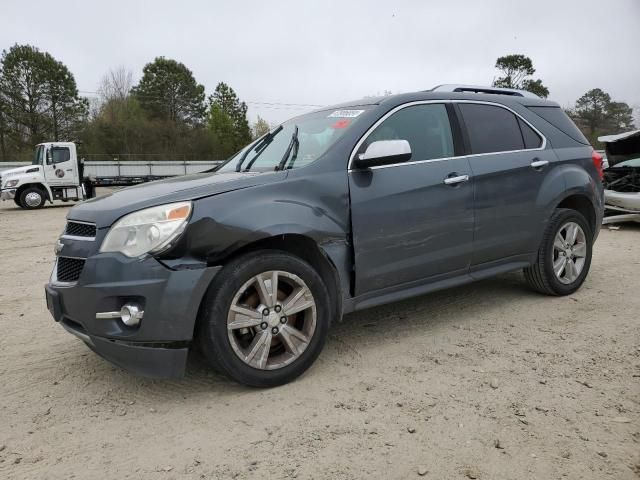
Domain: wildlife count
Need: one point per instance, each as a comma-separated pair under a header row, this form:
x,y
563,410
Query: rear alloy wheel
x,y
32,198
564,256
569,252
265,318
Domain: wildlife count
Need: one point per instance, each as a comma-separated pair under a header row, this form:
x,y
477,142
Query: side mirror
x,y
383,152
49,156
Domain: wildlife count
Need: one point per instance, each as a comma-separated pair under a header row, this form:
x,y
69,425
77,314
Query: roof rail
x,y
480,89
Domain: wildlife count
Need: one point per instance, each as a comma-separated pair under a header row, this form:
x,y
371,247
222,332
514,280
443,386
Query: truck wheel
x,y
564,257
264,319
32,198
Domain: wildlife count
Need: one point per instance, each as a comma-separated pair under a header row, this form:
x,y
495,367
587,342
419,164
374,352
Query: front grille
x,y
69,269
78,229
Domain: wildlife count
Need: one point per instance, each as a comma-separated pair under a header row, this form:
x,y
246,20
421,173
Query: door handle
x,y
455,180
539,163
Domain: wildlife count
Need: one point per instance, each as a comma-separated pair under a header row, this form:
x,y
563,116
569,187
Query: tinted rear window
x,y
491,129
556,117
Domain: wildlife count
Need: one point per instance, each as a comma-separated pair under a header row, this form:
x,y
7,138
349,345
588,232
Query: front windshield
x,y
316,132
37,155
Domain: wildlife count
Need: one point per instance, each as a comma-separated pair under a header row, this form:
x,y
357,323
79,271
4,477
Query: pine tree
x,y
169,91
228,119
39,100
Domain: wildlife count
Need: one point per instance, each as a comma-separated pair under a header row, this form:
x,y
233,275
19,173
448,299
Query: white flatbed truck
x,y
56,174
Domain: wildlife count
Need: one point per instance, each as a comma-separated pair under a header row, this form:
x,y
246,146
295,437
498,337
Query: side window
x,y
425,127
491,129
60,154
531,138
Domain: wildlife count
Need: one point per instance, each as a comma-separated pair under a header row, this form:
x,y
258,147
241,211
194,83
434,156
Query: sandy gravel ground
x,y
486,381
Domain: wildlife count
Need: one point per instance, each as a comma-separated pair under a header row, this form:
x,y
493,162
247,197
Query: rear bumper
x,y
159,345
8,194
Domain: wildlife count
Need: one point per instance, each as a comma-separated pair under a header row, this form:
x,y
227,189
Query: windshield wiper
x,y
266,140
294,143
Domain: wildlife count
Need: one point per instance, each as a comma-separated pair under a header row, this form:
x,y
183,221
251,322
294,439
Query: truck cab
x,y
55,174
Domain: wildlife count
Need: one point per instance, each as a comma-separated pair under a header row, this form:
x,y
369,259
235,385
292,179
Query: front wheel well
x,y
583,205
39,186
308,250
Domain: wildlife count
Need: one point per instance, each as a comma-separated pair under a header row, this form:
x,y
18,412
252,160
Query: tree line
x,y
168,114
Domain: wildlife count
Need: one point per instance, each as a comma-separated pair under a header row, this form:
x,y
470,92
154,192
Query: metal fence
x,y
111,168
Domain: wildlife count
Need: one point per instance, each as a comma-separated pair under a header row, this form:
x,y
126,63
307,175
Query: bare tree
x,y
116,84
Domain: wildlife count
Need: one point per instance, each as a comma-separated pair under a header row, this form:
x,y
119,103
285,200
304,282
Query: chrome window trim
x,y
426,102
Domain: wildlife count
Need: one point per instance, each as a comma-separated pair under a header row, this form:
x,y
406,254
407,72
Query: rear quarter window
x,y
556,117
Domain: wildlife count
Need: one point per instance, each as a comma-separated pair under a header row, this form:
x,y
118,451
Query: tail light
x,y
597,161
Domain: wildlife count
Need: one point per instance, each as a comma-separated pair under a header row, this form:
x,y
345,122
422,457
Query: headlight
x,y
148,231
11,183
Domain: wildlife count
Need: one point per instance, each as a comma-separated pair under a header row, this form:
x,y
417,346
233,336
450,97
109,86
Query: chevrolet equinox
x,y
337,210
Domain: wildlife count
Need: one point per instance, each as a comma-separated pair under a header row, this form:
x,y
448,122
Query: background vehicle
x,y
58,174
333,211
622,177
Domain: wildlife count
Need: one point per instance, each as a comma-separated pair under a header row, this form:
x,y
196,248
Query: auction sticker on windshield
x,y
345,113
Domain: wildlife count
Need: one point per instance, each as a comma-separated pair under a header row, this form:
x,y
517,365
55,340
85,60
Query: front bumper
x,y
622,201
8,194
159,345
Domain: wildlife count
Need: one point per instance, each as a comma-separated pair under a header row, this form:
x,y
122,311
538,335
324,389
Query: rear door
x,y
408,225
509,162
60,168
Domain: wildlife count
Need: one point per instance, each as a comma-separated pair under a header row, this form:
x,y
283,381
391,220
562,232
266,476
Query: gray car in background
x,y
338,210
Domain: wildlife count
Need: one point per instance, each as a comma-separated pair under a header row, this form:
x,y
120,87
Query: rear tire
x,y
257,338
564,256
32,198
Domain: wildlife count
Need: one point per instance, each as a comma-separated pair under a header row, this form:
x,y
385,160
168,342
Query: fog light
x,y
130,314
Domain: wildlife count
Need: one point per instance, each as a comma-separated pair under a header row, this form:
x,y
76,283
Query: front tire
x,y
32,198
261,337
564,257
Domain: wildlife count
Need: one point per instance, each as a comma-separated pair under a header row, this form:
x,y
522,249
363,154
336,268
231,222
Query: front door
x,y
59,167
408,224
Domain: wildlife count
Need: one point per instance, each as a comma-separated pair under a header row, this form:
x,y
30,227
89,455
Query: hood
x,y
105,210
19,170
621,147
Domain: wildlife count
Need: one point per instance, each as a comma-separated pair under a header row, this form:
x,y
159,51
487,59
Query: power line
x,y
273,105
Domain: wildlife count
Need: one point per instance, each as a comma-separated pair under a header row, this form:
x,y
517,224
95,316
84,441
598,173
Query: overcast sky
x,y
323,52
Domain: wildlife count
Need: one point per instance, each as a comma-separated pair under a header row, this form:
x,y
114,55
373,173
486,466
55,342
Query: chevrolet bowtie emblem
x,y
58,247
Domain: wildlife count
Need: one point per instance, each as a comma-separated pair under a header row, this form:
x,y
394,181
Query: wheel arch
x,y
40,186
581,203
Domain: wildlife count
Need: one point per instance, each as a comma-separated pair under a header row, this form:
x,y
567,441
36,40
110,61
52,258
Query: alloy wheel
x,y
271,320
569,252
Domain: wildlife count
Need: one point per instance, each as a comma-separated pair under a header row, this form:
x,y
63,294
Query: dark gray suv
x,y
337,210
